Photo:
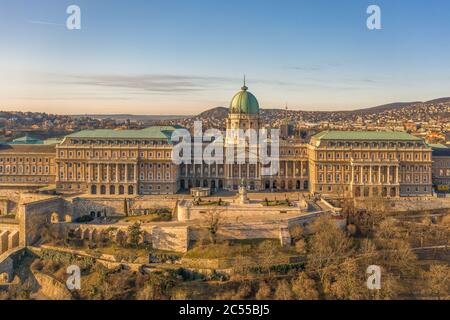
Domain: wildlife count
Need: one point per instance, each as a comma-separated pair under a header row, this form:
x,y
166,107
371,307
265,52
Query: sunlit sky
x,y
186,56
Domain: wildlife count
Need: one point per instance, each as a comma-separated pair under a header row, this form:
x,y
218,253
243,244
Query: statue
x,y
243,197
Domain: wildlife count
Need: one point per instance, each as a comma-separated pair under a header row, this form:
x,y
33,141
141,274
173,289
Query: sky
x,y
186,56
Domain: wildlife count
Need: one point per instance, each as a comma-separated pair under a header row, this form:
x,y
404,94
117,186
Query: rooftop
x,y
28,148
365,135
154,132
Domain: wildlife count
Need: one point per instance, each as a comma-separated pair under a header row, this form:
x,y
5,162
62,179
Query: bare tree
x,y
328,246
437,282
283,291
213,221
304,288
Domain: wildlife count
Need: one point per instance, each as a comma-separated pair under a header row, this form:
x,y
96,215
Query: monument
x,y
243,197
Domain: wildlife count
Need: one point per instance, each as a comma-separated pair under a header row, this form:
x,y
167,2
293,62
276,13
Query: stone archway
x,y
54,218
393,192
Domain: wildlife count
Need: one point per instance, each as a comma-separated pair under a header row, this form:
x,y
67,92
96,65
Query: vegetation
x,y
330,263
83,219
199,202
276,203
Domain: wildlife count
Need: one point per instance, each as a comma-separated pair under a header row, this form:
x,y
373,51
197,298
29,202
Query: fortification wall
x,y
117,206
13,197
35,214
240,231
163,237
171,238
8,260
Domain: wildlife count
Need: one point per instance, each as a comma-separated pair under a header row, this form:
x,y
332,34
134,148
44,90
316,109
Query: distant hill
x,y
123,117
215,117
415,111
440,100
385,107
217,112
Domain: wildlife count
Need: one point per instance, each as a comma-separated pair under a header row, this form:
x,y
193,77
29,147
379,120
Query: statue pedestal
x,y
243,197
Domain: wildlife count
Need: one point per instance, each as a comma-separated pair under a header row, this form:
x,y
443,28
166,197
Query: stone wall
x,y
117,206
240,231
11,199
171,238
8,260
35,214
188,212
162,237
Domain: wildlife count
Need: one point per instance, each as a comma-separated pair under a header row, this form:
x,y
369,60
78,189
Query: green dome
x,y
244,102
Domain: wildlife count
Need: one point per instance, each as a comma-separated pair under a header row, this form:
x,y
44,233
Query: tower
x,y
243,114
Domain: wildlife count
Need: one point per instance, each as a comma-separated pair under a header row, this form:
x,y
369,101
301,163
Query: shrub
x,y
83,219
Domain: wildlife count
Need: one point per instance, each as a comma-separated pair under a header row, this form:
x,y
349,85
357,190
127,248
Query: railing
x,y
9,221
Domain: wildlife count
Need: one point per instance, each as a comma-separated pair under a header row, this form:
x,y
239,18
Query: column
x,y
286,166
379,174
388,173
135,172
117,172
126,172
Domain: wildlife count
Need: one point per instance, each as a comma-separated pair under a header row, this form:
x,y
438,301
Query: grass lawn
x,y
153,217
209,203
278,203
248,248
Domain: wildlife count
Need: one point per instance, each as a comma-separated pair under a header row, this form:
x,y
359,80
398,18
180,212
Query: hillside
x,y
399,111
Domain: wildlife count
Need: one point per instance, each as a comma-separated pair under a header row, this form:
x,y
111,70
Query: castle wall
x,y
33,216
117,206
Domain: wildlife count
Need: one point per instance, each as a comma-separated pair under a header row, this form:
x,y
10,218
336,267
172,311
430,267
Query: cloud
x,y
151,83
48,23
146,83
304,68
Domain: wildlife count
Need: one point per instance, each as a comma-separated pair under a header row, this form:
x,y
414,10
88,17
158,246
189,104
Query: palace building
x,y
139,162
24,166
117,162
366,164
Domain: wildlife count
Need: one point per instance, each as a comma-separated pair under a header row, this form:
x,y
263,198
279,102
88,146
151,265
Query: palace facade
x,y
24,166
139,162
